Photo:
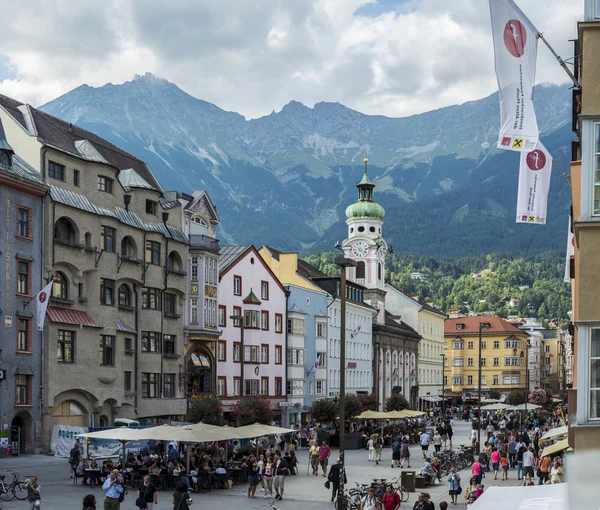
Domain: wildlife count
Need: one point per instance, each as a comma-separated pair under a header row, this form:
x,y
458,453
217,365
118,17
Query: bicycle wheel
x,y
20,491
5,494
403,495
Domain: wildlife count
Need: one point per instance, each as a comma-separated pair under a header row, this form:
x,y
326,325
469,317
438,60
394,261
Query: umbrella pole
x,y
187,457
123,443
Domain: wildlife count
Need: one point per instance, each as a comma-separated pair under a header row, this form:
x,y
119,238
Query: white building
x,y
252,358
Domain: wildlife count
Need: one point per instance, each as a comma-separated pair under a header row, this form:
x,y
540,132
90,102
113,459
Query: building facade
x,y
429,322
553,368
306,302
252,351
503,356
21,202
584,270
114,249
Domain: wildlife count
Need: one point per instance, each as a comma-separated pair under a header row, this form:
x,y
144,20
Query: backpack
x,y
122,495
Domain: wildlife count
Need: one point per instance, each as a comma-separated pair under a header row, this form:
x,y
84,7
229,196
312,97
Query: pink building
x,y
248,288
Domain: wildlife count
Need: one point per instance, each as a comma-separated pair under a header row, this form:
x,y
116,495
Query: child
x,y
504,464
470,501
479,491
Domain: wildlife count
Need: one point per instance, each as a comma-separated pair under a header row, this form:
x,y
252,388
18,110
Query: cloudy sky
x,y
390,57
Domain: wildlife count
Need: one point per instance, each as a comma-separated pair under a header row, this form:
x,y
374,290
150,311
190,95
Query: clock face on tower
x,y
359,249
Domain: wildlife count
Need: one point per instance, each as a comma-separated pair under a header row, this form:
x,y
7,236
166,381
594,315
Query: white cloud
x,y
254,56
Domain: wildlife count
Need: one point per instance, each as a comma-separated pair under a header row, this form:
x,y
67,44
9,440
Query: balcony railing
x,y
203,242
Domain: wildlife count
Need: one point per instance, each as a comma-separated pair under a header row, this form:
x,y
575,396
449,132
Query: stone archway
x,y
21,428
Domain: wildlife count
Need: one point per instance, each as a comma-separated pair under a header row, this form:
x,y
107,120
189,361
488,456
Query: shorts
x,y
504,468
406,454
495,466
396,455
324,462
528,470
424,447
444,437
278,482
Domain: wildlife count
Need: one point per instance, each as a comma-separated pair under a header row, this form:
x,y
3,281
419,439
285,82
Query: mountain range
x,y
285,179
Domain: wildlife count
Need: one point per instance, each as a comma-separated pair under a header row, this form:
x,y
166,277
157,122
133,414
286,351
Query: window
x,y
496,362
295,327
457,380
458,344
320,387
496,344
194,310
445,380
322,359
251,386
128,345
152,252
236,386
264,353
483,362
221,350
512,344
278,323
482,380
251,319
458,362
222,316
127,380
56,171
169,344
295,357
152,207
264,385
76,180
237,285
107,291
150,341
278,386
495,379
469,345
264,320
597,170
594,412
237,352
170,306
60,286
221,386
22,390
65,346
108,239
547,348
169,385
23,335
194,269
360,270
295,387
512,362
483,344
278,354
470,380
107,350
24,223
23,277
105,184
150,298
237,311
251,354
264,291
321,330
511,379
124,295
150,385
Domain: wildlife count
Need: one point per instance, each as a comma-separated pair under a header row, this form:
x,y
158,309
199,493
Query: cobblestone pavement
x,y
301,492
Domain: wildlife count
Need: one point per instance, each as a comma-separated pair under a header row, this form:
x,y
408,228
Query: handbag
x,y
328,484
459,490
140,502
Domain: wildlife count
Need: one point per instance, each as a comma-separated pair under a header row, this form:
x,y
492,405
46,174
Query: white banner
x,y
515,51
534,185
41,302
570,253
63,439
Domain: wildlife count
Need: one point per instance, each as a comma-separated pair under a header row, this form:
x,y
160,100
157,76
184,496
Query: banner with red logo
x,y
515,51
41,301
534,185
570,253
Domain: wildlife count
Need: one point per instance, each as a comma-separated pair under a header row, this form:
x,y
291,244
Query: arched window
x,y
360,270
65,231
5,158
128,248
60,286
124,295
379,271
174,262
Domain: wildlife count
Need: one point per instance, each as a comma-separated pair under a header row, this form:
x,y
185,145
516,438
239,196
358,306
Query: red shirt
x,y
390,501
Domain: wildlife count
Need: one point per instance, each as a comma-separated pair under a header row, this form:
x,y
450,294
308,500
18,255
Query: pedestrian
x,y
371,448
181,499
378,445
268,476
396,447
324,453
424,440
252,479
437,441
33,493
495,459
334,478
528,461
443,505
477,470
405,453
504,465
544,469
147,494
89,502
422,503
512,452
74,456
390,500
520,453
449,431
279,471
369,502
454,486
473,437
112,490
314,458
557,474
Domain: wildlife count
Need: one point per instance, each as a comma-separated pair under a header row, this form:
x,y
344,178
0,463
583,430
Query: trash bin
x,y
407,480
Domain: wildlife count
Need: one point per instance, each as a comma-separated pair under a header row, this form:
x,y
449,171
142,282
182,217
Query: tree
x,y
205,409
253,410
352,406
494,394
368,402
324,410
515,398
396,402
541,397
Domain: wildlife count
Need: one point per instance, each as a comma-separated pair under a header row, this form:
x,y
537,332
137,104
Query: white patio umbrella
x,y
554,433
521,407
257,430
495,407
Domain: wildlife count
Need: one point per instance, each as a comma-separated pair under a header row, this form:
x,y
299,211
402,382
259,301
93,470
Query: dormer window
x,y
5,158
105,184
460,326
199,221
152,207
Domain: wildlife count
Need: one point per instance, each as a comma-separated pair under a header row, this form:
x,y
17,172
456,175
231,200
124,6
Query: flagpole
x,y
562,172
560,61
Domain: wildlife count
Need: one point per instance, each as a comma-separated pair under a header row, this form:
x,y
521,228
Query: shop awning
x,y
554,433
68,316
559,446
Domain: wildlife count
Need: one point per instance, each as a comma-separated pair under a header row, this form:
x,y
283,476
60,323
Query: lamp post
x,y
443,356
482,326
343,263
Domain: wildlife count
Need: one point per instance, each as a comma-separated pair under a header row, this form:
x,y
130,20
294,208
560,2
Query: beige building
x,y
114,247
584,399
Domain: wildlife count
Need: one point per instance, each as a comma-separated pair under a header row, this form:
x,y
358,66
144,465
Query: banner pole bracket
x,y
560,61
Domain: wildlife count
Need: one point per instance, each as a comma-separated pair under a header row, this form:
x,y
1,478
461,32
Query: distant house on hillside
x,y
417,276
476,276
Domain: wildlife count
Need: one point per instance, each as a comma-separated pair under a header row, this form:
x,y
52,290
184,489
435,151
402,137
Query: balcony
x,y
202,242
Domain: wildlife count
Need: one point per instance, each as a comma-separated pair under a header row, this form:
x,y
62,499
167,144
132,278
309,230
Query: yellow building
x,y
584,398
552,373
503,356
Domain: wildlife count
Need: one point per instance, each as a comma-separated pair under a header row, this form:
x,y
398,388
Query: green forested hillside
x,y
486,283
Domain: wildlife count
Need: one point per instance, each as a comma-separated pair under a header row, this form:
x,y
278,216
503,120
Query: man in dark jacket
x,y
279,471
74,455
334,478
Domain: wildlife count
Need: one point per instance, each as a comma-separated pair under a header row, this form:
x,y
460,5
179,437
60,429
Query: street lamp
x,y
482,326
443,356
343,263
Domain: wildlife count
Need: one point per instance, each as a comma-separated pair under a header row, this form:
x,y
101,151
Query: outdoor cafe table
x,y
92,475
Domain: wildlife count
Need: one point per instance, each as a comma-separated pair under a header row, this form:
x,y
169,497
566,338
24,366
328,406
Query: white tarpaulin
x,y
534,184
538,497
570,253
63,439
515,51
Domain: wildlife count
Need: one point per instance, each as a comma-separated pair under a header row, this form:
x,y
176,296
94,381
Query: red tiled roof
x,y
471,325
67,316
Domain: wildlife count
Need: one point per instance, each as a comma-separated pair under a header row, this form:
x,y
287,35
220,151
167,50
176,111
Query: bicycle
x,y
352,502
15,489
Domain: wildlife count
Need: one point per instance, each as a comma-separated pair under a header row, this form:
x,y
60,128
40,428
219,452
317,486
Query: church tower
x,y
366,245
